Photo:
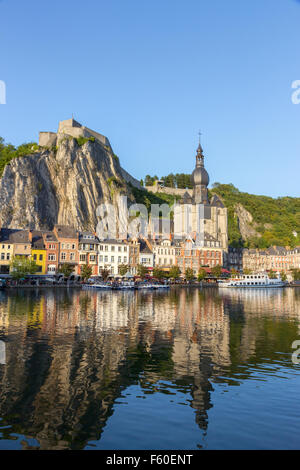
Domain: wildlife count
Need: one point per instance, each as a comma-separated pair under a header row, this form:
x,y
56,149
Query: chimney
x,y
30,236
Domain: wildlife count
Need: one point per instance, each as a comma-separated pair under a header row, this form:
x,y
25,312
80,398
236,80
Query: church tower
x,y
200,179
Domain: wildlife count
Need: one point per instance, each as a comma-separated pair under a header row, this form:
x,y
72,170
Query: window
x,y
41,257
105,259
119,248
34,257
112,248
125,259
51,257
101,247
82,257
112,259
119,259
100,258
72,256
63,256
92,257
7,256
106,248
2,255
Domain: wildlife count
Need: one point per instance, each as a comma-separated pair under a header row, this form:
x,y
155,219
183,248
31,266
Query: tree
x,y
123,269
283,276
247,271
86,271
142,270
201,275
66,269
272,274
189,274
158,273
296,274
105,273
216,271
233,272
174,272
22,265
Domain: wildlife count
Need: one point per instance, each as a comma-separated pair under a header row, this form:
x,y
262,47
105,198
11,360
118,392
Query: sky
x,y
150,74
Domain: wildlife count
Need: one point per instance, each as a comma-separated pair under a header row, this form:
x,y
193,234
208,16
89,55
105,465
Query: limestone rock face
x,y
60,186
246,224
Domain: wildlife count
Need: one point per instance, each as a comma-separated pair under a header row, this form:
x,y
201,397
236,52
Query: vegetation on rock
x,y
9,151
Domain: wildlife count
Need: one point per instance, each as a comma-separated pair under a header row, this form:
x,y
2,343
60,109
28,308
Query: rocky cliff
x,y
61,185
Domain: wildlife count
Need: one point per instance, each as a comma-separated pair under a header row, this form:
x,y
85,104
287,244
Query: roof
x,y
50,237
113,242
216,201
63,231
37,240
144,248
8,235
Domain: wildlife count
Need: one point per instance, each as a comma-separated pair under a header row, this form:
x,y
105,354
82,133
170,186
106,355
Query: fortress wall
x,y
73,132
173,191
104,140
47,139
130,179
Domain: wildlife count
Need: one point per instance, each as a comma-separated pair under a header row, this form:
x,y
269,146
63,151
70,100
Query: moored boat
x,y
257,280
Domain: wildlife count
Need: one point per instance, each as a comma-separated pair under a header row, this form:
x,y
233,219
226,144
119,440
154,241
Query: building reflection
x,y
71,354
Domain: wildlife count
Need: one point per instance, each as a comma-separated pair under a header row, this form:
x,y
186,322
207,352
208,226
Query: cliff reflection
x,y
70,354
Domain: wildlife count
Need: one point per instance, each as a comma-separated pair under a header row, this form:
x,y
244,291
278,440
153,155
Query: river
x,y
183,369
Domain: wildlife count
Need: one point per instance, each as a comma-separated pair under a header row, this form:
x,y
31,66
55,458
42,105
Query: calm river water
x,y
184,369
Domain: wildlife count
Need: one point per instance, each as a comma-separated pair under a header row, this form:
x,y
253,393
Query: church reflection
x,y
71,354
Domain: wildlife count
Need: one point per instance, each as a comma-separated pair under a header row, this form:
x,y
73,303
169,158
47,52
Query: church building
x,y
201,222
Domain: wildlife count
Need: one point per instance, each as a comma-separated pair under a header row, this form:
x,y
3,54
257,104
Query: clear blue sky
x,y
149,74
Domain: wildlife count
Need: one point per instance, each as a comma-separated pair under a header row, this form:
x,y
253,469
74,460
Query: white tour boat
x,y
257,280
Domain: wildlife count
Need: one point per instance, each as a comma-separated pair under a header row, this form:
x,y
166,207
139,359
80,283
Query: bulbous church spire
x,y
200,178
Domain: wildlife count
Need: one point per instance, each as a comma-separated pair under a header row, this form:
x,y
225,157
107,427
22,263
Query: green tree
x,y
295,274
189,274
86,271
272,274
21,266
216,271
174,272
66,269
283,276
104,274
201,275
142,270
247,271
123,269
158,273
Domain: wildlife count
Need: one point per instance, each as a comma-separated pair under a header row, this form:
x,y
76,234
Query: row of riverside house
x,y
65,245
275,258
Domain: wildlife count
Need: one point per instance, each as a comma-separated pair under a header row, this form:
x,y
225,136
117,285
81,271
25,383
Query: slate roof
x,y
8,235
37,240
63,231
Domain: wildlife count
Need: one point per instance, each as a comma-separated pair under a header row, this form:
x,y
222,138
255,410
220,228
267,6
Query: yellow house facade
x,y
38,251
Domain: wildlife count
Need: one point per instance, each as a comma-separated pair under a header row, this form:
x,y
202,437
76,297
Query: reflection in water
x,y
70,355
